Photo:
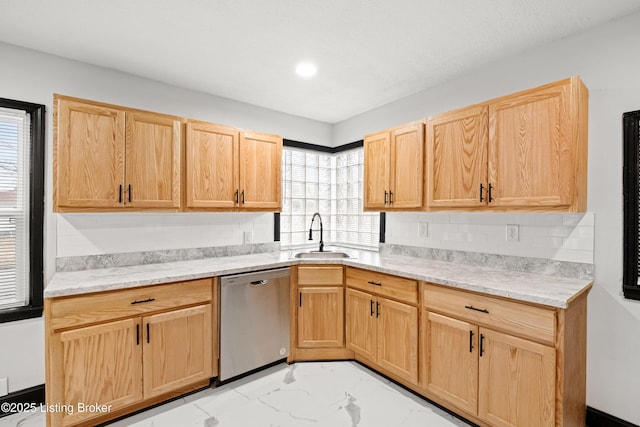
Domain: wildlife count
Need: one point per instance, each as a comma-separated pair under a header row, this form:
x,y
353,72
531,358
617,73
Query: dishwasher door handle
x,y
259,283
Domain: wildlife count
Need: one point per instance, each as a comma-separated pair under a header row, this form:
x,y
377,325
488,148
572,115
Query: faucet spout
x,y
311,230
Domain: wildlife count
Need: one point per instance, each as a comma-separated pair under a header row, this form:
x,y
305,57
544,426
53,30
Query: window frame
x,y
631,204
331,150
36,213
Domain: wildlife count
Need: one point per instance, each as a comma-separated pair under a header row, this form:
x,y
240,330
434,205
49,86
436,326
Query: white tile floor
x,y
318,394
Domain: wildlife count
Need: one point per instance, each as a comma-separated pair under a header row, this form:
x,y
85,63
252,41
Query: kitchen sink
x,y
323,254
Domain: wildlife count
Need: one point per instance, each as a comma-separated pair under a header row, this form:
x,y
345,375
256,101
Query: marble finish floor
x,y
331,394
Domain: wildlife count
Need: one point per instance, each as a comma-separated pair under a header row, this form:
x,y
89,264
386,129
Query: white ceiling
x,y
368,52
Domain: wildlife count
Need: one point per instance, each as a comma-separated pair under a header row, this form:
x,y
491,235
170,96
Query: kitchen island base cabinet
x,y
129,349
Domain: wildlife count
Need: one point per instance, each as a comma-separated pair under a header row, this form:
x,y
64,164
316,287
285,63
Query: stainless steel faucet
x,y
311,231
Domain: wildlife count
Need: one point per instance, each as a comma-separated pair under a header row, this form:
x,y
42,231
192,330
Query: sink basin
x,y
325,254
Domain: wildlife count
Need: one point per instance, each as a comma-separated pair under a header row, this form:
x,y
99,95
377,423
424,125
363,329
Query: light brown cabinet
x,y
503,362
229,169
107,158
393,168
382,331
128,348
525,151
319,307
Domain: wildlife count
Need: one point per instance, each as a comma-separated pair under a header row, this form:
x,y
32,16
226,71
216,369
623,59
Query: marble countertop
x,y
536,288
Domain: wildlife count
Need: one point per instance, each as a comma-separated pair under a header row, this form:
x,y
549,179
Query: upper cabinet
x,y
108,158
523,152
393,168
231,169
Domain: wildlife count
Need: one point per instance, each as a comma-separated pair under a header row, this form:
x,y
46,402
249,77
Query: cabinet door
x,y
89,156
407,164
320,317
531,148
517,381
450,360
152,166
397,330
360,324
260,163
97,364
376,170
177,349
457,158
211,166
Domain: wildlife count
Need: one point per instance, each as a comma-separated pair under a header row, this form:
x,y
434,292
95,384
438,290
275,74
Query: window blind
x,y
15,140
331,184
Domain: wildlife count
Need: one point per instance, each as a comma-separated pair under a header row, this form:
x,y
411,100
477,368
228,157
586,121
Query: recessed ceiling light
x,y
306,69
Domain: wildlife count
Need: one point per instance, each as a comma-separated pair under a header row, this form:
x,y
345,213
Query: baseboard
x,y
29,396
596,418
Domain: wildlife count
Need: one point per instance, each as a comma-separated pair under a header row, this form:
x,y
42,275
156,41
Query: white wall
x,y
31,76
606,59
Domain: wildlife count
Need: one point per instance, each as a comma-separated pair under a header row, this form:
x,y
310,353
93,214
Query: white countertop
x,y
536,288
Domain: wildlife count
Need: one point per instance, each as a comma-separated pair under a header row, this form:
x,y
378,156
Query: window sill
x,y
20,313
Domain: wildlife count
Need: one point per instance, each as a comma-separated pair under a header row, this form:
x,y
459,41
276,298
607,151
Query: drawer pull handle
x,y
374,283
482,310
143,301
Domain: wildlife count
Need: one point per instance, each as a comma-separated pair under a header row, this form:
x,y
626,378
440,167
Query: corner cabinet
x,y
128,349
526,151
317,314
229,169
109,158
393,168
382,321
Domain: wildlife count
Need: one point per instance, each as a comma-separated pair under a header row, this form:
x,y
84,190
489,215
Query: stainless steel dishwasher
x,y
254,320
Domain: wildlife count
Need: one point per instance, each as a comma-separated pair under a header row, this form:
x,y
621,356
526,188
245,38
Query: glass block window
x,y
331,184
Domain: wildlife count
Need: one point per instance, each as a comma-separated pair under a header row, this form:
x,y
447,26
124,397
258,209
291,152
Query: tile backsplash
x,y
557,237
111,233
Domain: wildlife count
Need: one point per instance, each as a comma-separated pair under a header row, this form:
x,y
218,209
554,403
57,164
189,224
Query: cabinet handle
x,y
120,194
482,310
300,299
385,197
148,337
490,188
390,197
137,334
129,193
243,197
481,188
377,309
374,283
237,197
481,344
142,301
470,341
371,306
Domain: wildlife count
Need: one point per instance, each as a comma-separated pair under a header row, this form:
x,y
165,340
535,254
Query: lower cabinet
x,y
110,367
320,317
317,313
383,331
504,380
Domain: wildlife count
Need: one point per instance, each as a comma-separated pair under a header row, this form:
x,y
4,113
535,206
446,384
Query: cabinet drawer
x,y
320,275
520,319
382,284
73,311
